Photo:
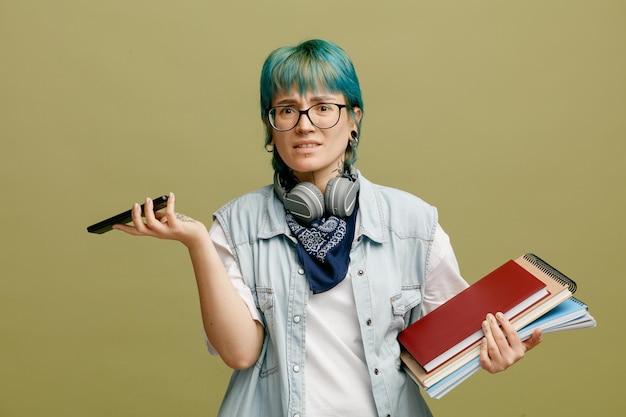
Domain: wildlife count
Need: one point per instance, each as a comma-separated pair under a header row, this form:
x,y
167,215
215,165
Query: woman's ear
x,y
357,114
269,148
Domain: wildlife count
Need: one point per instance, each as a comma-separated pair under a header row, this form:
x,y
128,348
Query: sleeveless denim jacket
x,y
389,257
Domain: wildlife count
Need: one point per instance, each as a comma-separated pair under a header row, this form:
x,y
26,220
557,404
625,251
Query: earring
x,y
355,139
269,148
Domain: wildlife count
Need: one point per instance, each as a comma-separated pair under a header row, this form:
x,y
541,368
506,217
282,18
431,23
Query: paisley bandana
x,y
324,249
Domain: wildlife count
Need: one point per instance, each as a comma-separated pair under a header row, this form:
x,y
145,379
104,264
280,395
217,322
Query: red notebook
x,y
456,324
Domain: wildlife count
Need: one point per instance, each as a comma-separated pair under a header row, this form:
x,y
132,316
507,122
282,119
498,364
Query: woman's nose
x,y
305,123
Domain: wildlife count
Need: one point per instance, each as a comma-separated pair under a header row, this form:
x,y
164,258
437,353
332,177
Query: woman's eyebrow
x,y
323,99
286,102
316,99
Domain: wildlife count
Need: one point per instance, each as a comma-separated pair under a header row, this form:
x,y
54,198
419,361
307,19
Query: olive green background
x,y
509,116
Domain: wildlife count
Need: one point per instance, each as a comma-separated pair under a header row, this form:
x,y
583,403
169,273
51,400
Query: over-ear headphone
x,y
307,203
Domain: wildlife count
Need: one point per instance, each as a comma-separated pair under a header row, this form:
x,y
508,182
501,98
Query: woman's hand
x,y
164,225
227,321
502,347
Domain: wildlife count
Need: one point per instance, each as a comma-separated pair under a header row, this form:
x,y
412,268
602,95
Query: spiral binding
x,y
576,300
551,271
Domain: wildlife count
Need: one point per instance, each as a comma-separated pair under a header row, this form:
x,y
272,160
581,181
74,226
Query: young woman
x,y
305,284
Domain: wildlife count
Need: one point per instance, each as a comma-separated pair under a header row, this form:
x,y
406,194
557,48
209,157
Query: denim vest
x,y
388,262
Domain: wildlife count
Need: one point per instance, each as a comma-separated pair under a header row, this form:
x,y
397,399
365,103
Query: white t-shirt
x,y
334,347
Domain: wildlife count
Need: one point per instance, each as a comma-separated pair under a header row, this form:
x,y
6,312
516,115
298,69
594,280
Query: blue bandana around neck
x,y
324,249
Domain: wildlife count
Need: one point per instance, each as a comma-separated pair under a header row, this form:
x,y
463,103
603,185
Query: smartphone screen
x,y
125,217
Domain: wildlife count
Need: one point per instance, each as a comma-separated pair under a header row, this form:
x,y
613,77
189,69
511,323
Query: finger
x,y
485,360
489,351
169,215
127,229
170,207
137,218
513,337
152,221
148,211
509,332
505,324
534,340
169,210
497,332
494,348
492,332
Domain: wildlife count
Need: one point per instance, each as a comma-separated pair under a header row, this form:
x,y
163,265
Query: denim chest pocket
x,y
267,362
402,303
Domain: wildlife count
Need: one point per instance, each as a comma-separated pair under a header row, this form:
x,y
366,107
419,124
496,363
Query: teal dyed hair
x,y
313,65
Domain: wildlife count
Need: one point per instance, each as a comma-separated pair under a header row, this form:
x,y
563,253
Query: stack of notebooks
x,y
441,350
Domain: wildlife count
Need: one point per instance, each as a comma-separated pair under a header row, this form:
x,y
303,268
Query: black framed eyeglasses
x,y
322,116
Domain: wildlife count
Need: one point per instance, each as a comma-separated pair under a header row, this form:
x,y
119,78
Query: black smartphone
x,y
125,217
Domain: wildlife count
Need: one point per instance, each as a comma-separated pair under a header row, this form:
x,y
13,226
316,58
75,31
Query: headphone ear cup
x,y
340,196
305,202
